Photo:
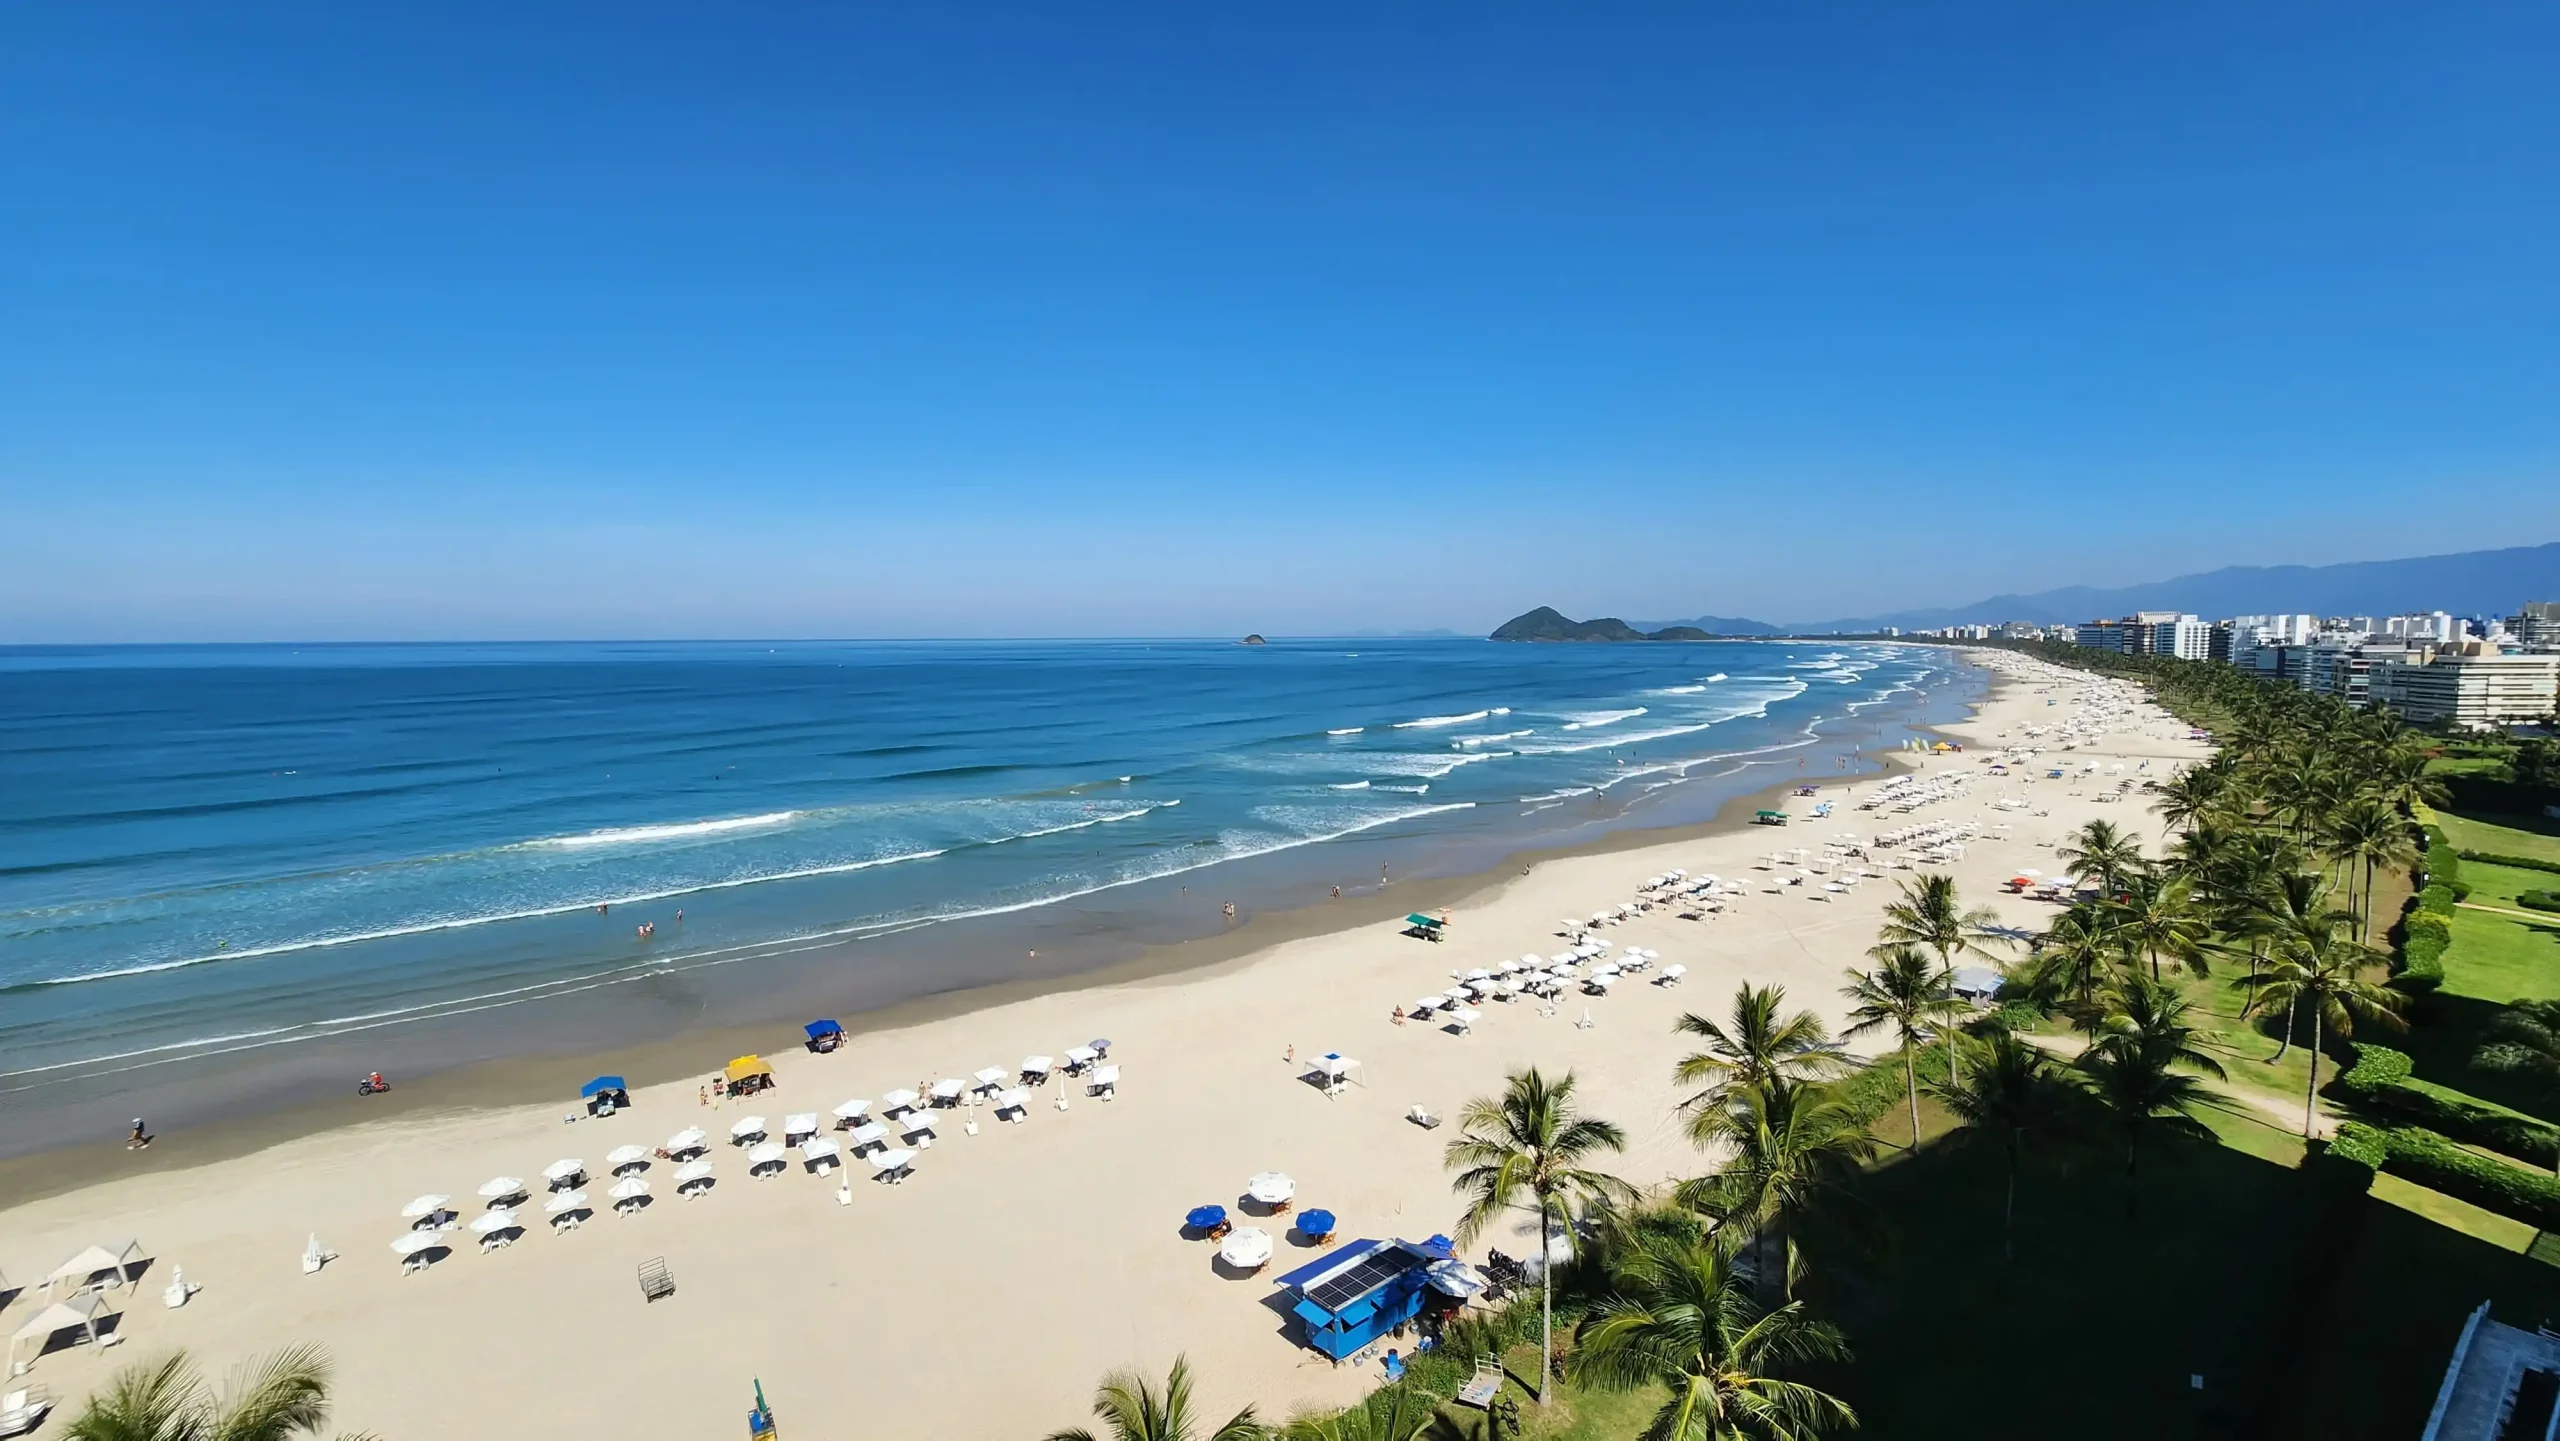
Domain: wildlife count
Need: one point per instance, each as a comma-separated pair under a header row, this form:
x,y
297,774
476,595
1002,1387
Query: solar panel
x,y
1366,1275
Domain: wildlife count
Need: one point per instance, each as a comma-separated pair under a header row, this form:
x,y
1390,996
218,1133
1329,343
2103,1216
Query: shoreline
x,y
553,1077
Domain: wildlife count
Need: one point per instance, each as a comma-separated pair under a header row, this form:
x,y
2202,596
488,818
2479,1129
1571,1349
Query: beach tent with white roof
x,y
989,1081
115,1259
1035,1069
1333,1070
948,1090
851,1113
82,1311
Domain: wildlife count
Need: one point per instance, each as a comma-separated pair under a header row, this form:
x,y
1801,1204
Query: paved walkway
x,y
2547,918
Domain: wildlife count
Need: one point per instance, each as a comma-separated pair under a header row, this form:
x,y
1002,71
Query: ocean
x,y
234,872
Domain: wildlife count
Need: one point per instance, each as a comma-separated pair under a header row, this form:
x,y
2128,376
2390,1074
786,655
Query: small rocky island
x,y
1546,623
1252,640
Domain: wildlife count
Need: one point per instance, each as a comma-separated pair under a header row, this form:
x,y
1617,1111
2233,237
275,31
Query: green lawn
x,y
2094,1330
2497,958
2522,838
2499,885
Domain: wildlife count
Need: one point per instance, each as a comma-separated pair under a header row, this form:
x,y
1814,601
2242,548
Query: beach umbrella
x,y
1532,962
916,1123
564,1172
1430,1003
1016,1099
688,1139
1439,1247
869,1133
949,1088
1247,1248
621,1156
489,1221
899,1100
768,1154
626,1192
820,1149
1205,1218
1271,1188
853,1110
498,1188
693,1178
416,1241
1315,1223
424,1206
564,1203
800,1123
1082,1055
1039,1066
990,1079
888,1162
746,1126
1101,1045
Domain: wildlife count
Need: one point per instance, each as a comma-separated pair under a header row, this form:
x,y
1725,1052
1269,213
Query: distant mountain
x,y
1714,625
2479,582
1546,623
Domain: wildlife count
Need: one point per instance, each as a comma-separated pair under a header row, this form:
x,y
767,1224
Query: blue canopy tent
x,y
1358,1293
605,1093
824,1035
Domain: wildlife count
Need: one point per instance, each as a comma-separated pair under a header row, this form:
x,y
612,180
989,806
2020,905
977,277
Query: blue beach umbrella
x,y
1316,1223
1439,1247
602,1084
1204,1218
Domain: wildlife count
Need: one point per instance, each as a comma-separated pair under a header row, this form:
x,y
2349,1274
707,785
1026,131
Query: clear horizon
x,y
484,325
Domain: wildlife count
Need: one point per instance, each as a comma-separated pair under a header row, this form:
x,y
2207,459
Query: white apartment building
x,y
2184,636
2470,685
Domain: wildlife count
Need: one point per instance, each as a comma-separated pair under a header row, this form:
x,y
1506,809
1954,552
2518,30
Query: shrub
x,y
2365,1145
2522,863
2539,900
2378,1082
2493,1185
2427,923
2421,964
2438,899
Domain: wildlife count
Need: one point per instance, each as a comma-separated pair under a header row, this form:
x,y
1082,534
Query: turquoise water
x,y
230,852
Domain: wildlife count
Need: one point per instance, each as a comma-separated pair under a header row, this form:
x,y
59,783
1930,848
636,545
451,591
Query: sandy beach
x,y
983,1296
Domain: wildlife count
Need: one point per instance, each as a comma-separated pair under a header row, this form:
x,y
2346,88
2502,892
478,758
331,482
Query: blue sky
x,y
334,321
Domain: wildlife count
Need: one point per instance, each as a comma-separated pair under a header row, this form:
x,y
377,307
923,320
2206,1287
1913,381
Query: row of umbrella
x,y
1249,1248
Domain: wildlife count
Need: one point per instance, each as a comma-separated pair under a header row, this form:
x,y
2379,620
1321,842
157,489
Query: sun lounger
x,y
1422,1118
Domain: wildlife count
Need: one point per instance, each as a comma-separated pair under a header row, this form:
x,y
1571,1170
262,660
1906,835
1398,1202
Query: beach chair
x,y
1483,1386
1422,1118
22,1410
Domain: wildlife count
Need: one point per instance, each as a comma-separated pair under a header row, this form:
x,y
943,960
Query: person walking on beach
x,y
139,1139
1289,1055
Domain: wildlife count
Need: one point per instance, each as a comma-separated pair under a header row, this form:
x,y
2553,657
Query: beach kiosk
x,y
605,1095
824,1036
748,1075
1358,1293
1426,928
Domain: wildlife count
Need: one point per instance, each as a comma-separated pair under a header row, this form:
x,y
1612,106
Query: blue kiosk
x,y
1359,1292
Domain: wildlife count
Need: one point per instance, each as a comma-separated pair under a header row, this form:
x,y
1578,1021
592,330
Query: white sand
x,y
985,1296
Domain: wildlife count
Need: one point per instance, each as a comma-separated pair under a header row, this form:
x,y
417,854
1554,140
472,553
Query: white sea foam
x,y
1559,795
1408,790
1593,720
686,830
1676,690
1347,731
1349,786
1471,741
1719,675
1446,720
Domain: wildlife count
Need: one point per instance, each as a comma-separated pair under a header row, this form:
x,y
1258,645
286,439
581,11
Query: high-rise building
x,y
2470,685
2537,626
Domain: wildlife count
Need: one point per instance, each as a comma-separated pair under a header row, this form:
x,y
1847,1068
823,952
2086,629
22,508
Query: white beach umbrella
x,y
1246,1248
621,1156
500,1187
499,1220
629,1188
1082,1055
1600,983
770,1153
1479,974
800,1123
424,1206
564,1203
992,1078
692,1173
1430,1003
949,1088
820,1149
746,1126
918,1123
1038,1065
869,1133
565,1170
688,1139
1532,962
898,1100
1016,1099
853,1110
887,1162
1465,1015
1271,1188
415,1242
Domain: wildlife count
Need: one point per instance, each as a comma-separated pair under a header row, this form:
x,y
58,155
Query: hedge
x,y
2378,1080
2365,1145
2439,1165
2539,900
2438,899
2522,863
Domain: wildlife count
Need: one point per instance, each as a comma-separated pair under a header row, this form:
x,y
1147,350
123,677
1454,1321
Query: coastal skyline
x,y
341,326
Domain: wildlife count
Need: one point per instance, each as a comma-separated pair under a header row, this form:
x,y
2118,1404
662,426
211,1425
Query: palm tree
x,y
2322,973
1131,1409
2075,961
2295,913
2012,1092
1393,1413
1793,1149
1908,993
1759,1042
273,1398
2371,832
2159,914
1682,1320
2191,796
1927,912
1530,1141
2136,1073
2528,1045
2102,853
2402,781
